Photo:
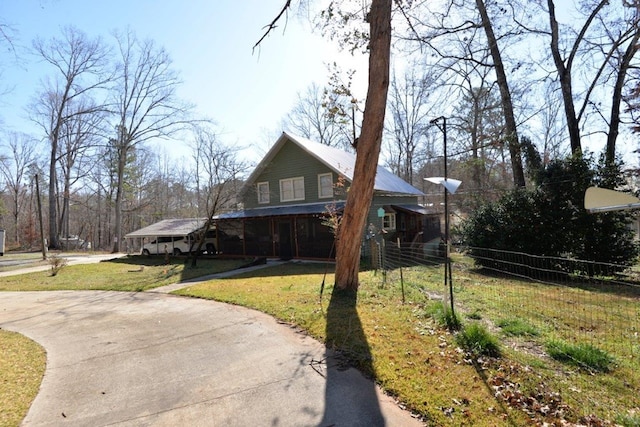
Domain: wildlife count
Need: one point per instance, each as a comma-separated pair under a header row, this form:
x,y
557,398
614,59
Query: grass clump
x,y
517,328
476,340
583,356
443,316
629,420
476,315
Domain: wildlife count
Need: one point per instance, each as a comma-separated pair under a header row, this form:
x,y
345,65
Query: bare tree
x,y
609,45
341,105
479,126
511,128
79,136
310,119
215,163
623,60
456,33
564,67
411,105
79,63
552,126
14,169
217,173
146,105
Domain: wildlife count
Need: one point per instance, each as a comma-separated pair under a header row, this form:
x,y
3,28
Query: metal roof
x,y
339,161
170,227
306,209
413,208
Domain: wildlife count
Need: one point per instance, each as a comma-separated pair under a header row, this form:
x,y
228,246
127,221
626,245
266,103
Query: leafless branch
x,y
273,25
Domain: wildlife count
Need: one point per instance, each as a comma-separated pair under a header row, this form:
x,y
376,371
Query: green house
x,y
287,199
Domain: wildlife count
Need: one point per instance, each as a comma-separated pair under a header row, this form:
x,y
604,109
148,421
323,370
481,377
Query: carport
x,y
169,228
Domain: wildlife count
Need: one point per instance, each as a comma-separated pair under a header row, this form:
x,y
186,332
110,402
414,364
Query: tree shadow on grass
x,y
350,394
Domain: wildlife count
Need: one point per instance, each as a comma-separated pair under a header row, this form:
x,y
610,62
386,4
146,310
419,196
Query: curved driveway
x,y
152,359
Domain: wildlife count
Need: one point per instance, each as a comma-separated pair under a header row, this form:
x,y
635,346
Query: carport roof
x,y
169,228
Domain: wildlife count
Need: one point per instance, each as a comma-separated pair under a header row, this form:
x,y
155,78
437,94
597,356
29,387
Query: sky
x,y
211,43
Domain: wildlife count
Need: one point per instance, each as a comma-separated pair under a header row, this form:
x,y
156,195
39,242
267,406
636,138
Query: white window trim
x,y
390,218
258,185
292,180
320,195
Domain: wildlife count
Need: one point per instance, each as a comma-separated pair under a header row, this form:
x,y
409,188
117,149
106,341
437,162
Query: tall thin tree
x,y
79,64
146,104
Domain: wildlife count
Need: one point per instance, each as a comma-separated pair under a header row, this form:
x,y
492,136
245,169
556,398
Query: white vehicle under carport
x,y
174,236
171,245
178,245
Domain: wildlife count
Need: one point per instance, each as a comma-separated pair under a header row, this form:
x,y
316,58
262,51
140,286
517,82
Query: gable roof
x,y
170,228
339,161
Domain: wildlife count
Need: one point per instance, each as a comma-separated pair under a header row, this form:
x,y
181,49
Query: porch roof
x,y
412,208
287,210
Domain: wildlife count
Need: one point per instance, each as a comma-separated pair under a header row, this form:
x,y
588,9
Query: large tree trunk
x,y
564,70
566,87
505,95
614,123
360,194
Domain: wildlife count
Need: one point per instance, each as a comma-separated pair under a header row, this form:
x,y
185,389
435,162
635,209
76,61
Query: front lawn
x,y
132,273
415,358
406,346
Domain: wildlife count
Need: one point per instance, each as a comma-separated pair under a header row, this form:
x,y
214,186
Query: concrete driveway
x,y
152,359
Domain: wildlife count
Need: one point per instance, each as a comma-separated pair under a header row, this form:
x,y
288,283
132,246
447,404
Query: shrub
x,y
549,221
476,340
57,263
583,356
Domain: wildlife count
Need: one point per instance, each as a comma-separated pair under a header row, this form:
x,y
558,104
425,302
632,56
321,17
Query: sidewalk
x,y
180,285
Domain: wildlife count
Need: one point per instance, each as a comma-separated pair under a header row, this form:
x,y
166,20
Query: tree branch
x,y
273,23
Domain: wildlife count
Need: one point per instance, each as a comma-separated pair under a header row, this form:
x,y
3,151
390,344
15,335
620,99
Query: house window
x,y
263,192
292,189
325,185
389,221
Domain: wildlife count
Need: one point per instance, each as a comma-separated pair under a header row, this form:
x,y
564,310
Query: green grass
x,y
401,345
517,327
443,315
605,314
412,353
416,358
475,339
629,420
583,356
133,273
22,364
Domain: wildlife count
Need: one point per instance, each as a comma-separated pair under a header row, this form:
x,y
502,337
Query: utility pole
x,y
449,185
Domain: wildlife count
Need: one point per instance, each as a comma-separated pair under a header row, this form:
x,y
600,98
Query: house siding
x,y
380,201
298,228
290,162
